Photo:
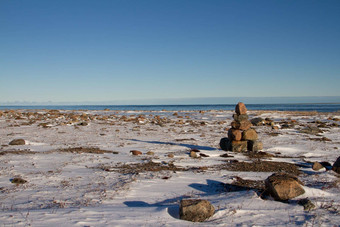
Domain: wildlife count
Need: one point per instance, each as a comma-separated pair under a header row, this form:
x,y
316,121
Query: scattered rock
x,y
249,134
258,121
135,152
204,155
83,124
317,166
193,154
311,130
240,108
225,155
150,153
307,204
17,142
336,165
197,210
282,186
18,180
171,155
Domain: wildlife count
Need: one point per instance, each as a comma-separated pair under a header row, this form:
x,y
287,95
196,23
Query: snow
x,y
70,188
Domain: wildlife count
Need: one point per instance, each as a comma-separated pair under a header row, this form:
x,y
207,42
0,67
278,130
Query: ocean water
x,y
280,107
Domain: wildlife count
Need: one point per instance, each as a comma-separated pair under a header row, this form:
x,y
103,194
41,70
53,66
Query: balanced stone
x,y
234,134
249,134
255,145
241,125
240,108
242,117
239,146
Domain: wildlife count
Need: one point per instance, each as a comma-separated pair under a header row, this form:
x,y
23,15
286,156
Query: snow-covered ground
x,y
80,172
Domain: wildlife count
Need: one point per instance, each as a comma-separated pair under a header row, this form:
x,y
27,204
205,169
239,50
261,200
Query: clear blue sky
x,y
91,50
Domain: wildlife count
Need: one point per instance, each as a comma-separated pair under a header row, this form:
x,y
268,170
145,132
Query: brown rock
x,y
193,154
234,134
239,146
197,210
17,142
336,165
317,166
249,134
135,152
171,155
282,186
150,153
255,145
18,180
241,108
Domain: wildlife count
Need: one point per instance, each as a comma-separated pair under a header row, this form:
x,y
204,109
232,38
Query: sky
x,y
107,50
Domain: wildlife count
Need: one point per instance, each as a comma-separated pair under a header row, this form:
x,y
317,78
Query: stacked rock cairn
x,y
241,137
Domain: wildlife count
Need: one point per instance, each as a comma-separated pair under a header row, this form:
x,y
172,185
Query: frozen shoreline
x,y
71,188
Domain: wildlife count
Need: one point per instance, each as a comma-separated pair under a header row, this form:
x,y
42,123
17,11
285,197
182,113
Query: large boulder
x,y
282,186
241,108
17,142
336,165
195,210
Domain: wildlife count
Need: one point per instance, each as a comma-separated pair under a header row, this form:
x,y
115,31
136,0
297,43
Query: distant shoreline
x,y
309,107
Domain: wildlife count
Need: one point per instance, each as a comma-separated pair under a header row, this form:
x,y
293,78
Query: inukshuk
x,y
241,137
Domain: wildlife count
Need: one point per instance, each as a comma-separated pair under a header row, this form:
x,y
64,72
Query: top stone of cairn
x,y
241,108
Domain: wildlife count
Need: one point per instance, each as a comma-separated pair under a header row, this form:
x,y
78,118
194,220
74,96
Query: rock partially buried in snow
x,y
193,154
135,152
196,210
336,165
282,186
18,180
317,166
150,153
17,142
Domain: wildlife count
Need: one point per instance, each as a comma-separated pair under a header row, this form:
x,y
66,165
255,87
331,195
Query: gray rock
x,y
196,210
311,130
240,117
258,121
307,204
